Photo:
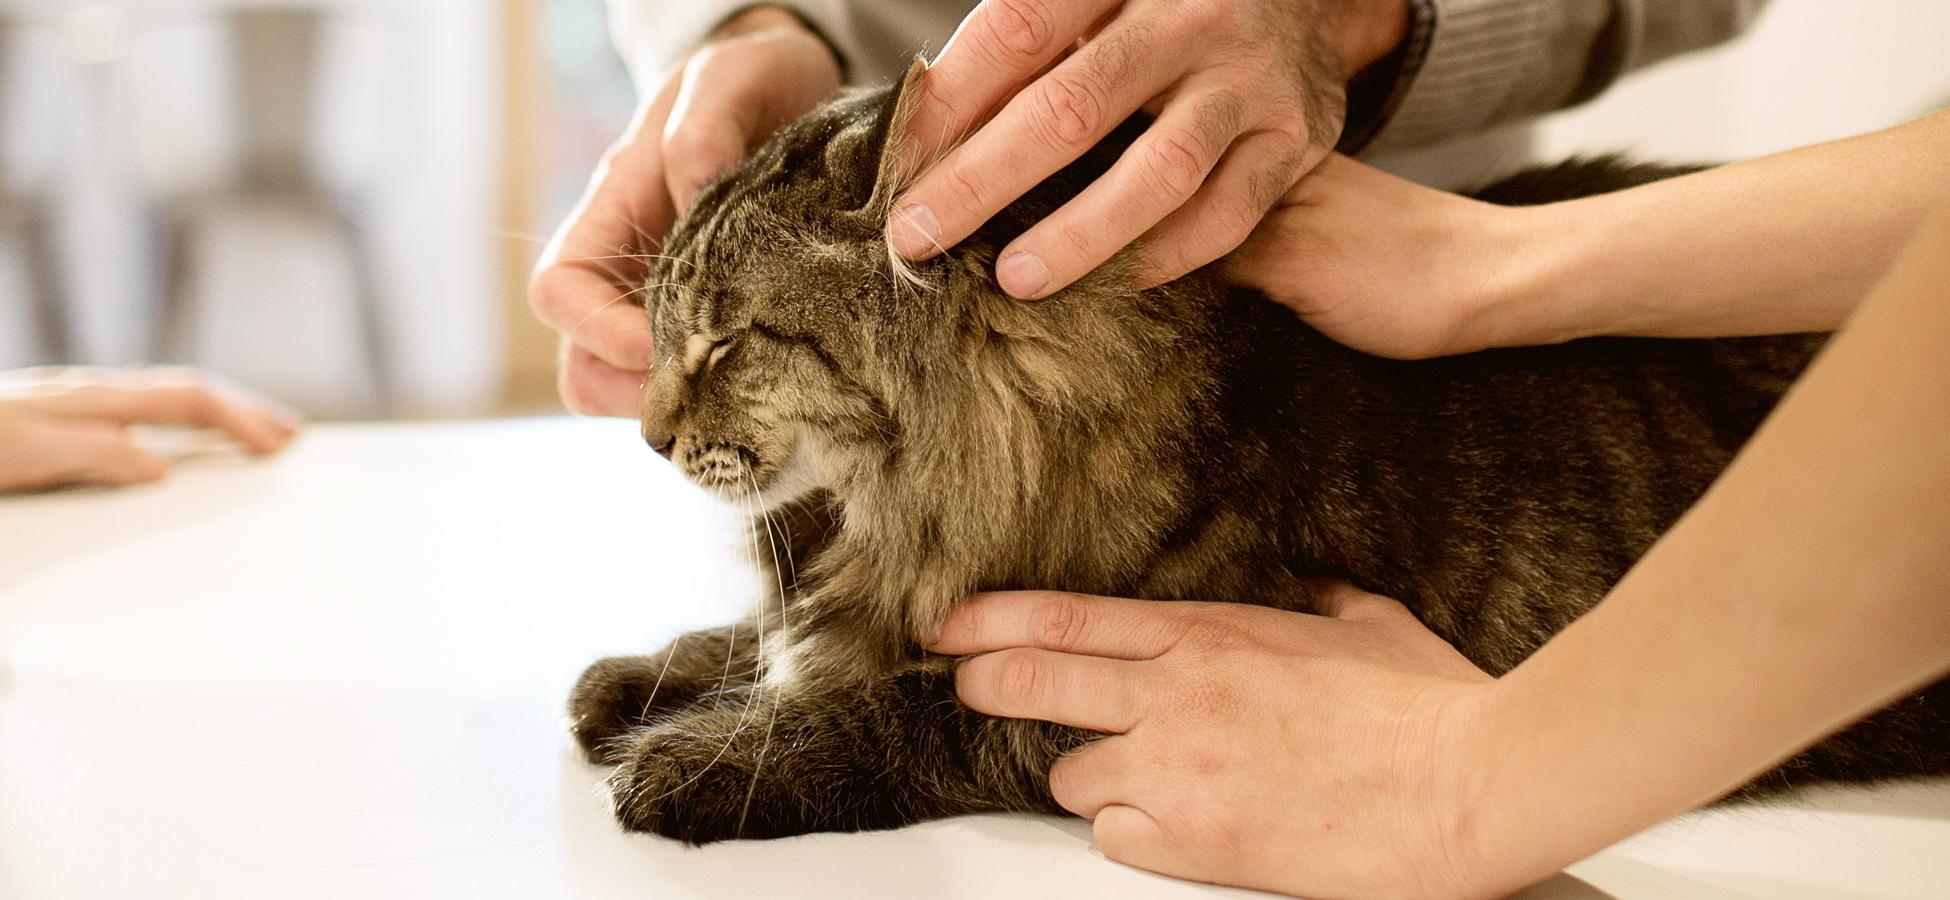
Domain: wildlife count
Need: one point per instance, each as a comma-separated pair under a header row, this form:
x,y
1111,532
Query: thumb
x,y
1131,836
1341,600
713,124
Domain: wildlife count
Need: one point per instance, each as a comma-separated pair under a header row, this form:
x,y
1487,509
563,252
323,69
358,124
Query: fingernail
x,y
914,230
1023,275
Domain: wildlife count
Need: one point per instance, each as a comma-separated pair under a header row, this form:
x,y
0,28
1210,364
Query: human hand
x,y
70,426
1392,268
1249,95
1312,755
761,71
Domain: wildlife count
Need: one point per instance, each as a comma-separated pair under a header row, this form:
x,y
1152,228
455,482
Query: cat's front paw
x,y
622,693
695,786
615,697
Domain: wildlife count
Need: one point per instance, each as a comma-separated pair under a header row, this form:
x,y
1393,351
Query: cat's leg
x,y
868,757
621,693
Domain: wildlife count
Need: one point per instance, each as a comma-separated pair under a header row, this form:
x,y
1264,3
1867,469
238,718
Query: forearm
x,y
1784,243
1805,590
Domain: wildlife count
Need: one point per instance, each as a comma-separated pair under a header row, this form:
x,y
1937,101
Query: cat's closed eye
x,y
702,352
718,350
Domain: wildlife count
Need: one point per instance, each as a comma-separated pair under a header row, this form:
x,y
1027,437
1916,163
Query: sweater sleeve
x,y
654,35
1476,64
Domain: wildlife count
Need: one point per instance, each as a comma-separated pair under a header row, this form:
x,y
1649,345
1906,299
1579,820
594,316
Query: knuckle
x,y
1073,107
191,401
963,190
1023,29
1232,221
1290,125
577,390
546,295
949,102
1061,622
1078,246
1223,115
1175,162
1022,679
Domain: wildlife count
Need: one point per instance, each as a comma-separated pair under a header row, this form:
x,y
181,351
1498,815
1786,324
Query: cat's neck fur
x,y
1011,462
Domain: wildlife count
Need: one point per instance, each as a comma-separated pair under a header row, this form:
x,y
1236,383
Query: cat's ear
x,y
896,167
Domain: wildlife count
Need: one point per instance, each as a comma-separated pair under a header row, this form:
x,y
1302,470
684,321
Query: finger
x,y
192,403
1101,773
95,453
601,319
1133,837
1252,177
592,387
999,47
1046,127
598,255
1025,683
1063,622
1158,173
735,95
1341,600
713,123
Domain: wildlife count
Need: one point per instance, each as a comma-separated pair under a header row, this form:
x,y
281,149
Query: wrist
x,y
765,19
1541,289
1472,740
756,19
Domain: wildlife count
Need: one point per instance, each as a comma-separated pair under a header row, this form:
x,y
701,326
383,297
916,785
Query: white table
x,y
340,674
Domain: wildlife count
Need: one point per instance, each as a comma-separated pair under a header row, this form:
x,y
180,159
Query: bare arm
x,y
1808,587
1789,242
1784,243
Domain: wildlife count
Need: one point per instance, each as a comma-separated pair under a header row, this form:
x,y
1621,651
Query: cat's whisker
x,y
778,574
621,298
752,698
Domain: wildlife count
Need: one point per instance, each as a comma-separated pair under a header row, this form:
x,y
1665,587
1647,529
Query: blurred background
x,y
338,201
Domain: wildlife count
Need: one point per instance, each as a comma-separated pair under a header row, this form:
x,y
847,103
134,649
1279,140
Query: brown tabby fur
x,y
910,446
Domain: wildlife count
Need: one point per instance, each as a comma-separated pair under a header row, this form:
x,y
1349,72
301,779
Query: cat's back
x,y
1513,486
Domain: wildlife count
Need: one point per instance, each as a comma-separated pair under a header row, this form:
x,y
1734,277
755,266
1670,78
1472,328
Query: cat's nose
x,y
660,440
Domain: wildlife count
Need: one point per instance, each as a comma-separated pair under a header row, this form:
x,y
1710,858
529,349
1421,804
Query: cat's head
x,y
793,352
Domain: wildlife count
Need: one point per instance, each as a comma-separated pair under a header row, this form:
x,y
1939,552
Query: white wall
x,y
1808,71
410,115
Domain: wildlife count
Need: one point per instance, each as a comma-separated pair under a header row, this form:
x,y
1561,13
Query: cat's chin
x,y
766,492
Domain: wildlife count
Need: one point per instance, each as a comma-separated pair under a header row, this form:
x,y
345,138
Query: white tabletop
x,y
340,673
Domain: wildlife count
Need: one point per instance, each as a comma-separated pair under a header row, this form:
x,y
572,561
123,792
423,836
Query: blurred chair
x,y
276,52
27,220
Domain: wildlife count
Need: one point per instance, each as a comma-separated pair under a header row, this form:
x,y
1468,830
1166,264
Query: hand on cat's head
x,y
1248,95
761,71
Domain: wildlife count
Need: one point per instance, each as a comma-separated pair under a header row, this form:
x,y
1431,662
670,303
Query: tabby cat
x,y
909,438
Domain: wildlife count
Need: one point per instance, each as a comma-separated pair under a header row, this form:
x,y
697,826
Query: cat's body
x,y
1191,442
